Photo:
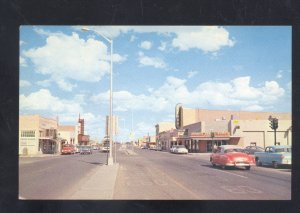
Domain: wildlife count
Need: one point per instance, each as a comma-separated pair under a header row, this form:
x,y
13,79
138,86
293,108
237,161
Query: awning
x,y
212,139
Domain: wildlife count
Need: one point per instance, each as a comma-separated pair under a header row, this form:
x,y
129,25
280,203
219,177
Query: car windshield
x,y
181,146
233,150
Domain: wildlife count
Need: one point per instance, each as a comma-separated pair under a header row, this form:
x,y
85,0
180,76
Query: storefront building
x,y
199,130
37,135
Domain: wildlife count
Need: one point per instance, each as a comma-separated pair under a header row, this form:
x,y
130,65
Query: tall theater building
x,y
200,129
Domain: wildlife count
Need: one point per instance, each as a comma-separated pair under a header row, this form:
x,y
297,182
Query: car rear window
x,y
233,150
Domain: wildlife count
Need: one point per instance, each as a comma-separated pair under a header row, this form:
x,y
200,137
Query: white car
x,y
180,149
105,149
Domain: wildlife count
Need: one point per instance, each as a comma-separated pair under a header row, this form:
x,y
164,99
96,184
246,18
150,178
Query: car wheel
x,y
275,164
247,167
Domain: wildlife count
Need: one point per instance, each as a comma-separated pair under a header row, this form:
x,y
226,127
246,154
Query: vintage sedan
x,y
68,149
180,149
231,156
275,156
86,150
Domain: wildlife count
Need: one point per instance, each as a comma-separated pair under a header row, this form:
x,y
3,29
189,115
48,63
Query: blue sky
x,y
64,71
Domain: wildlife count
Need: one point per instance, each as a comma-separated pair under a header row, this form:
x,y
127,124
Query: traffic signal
x,y
272,123
275,123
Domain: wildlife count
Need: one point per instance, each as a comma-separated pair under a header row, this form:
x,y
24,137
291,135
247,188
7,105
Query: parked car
x,y
152,147
173,148
180,149
105,149
252,149
231,156
275,156
68,149
86,150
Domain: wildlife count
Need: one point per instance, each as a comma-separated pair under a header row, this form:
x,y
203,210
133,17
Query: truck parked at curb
x,y
274,156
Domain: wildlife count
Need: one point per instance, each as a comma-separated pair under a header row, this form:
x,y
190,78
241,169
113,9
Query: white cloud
x,y
22,62
65,85
163,46
24,83
146,45
236,93
69,57
192,74
22,42
208,39
44,100
151,61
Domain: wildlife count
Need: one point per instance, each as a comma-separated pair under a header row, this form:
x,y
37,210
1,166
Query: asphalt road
x,y
156,175
55,177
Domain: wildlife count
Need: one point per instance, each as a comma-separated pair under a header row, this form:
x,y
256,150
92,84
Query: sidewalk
x,y
99,186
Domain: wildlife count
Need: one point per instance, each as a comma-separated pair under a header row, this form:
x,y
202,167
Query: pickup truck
x,y
274,156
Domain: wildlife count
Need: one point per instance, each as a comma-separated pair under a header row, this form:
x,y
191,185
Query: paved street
x,y
56,177
147,174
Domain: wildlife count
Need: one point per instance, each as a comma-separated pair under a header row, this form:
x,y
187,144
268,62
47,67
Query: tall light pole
x,y
110,159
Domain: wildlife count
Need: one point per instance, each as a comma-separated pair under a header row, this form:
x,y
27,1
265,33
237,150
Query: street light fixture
x,y
110,159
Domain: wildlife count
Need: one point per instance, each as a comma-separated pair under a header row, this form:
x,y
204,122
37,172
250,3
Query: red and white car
x,y
68,149
231,156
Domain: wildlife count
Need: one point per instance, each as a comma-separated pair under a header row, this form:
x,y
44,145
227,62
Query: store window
x,y
28,134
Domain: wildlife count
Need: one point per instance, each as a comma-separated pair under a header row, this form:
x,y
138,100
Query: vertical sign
x,y
178,110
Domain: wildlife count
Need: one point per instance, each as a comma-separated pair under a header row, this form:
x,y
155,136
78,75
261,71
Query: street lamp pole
x,y
110,159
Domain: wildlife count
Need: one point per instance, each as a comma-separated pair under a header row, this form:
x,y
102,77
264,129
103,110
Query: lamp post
x,y
110,159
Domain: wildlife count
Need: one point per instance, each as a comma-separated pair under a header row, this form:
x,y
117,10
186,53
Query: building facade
x,y
67,135
199,129
38,135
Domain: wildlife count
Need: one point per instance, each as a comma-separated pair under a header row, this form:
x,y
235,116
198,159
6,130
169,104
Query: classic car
x,y
152,147
86,150
274,156
68,149
180,149
231,156
252,149
105,149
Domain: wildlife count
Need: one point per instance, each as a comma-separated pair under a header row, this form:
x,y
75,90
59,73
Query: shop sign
x,y
235,122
